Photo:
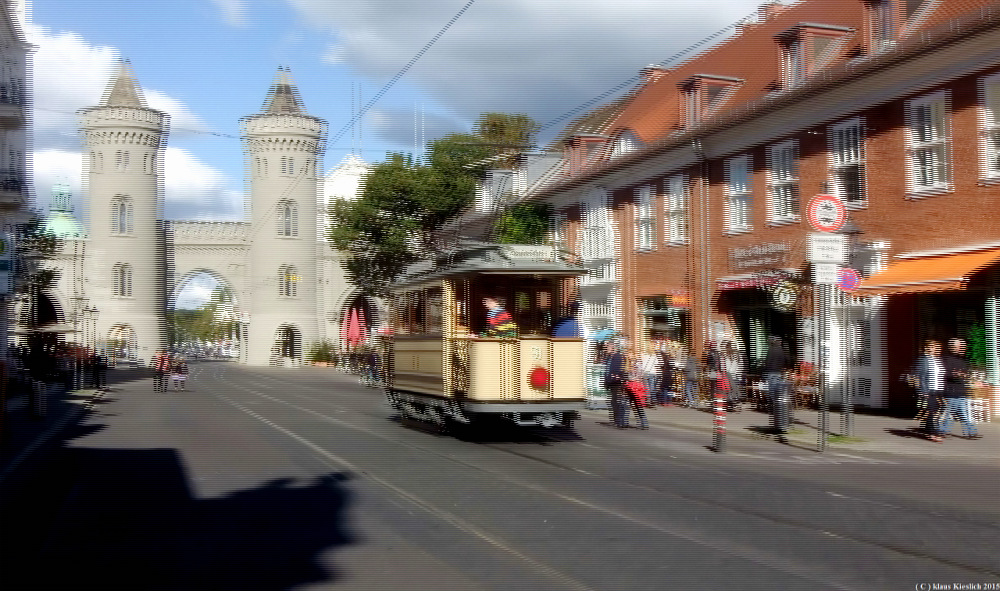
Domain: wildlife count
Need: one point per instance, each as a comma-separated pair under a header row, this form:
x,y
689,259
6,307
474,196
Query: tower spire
x,y
283,97
124,89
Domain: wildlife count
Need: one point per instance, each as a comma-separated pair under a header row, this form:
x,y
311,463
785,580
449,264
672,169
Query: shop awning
x,y
937,273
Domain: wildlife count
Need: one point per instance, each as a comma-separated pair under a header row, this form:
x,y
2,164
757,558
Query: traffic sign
x,y
827,248
848,279
826,213
825,273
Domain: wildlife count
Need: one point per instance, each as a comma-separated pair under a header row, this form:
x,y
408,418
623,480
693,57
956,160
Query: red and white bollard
x,y
719,421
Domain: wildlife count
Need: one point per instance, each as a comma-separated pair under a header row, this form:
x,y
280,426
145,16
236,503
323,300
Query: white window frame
x,y
287,217
287,281
121,280
989,126
675,210
122,216
597,237
557,231
783,182
739,195
645,218
928,147
793,65
625,143
846,142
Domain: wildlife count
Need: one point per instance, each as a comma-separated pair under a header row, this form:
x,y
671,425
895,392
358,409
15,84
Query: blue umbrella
x,y
605,334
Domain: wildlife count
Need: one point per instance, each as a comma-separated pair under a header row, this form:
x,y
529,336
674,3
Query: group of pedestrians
x,y
942,384
168,367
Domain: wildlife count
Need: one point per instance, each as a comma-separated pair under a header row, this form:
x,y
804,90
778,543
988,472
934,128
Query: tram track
x,y
734,549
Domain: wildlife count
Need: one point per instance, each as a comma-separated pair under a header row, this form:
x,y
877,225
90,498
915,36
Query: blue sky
x,y
210,62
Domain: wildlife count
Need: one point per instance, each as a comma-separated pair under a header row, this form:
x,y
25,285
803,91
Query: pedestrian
x,y
732,367
690,379
614,381
665,392
568,327
632,390
499,323
956,390
161,365
711,364
179,373
929,379
776,363
649,372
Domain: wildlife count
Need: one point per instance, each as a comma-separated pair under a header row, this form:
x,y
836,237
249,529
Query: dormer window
x,y
808,47
888,20
704,94
625,143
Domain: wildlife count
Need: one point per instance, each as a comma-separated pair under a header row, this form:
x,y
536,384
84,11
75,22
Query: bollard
x,y
719,421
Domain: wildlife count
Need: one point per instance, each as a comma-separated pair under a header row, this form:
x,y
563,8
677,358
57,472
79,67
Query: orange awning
x,y
937,273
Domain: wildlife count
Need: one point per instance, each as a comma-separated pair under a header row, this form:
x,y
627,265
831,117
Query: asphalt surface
x,y
302,479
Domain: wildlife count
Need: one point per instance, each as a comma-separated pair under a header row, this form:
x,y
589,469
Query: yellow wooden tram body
x,y
440,369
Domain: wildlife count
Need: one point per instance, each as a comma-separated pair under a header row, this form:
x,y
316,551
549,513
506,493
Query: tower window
x,y
121,160
121,280
287,165
121,215
288,218
287,281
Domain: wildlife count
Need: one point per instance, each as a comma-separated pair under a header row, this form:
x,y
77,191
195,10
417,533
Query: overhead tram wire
x,y
634,79
413,60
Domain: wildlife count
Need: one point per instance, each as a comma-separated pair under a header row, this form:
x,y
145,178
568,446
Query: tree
x,y
524,223
393,223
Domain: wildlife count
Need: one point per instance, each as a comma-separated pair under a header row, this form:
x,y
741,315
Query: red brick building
x,y
687,201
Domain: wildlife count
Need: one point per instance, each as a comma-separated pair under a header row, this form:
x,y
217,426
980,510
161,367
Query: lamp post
x,y
852,231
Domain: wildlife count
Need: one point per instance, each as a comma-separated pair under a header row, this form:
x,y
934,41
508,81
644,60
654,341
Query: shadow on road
x,y
116,519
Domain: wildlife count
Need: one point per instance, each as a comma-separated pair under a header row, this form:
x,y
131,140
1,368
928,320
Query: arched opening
x,y
122,344
204,317
287,346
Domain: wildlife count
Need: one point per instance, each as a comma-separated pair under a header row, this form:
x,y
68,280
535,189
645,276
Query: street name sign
x,y
826,213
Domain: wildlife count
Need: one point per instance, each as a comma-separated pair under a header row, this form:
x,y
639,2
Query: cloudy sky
x,y
210,62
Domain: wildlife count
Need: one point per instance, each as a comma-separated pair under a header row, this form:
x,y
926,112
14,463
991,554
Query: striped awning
x,y
935,273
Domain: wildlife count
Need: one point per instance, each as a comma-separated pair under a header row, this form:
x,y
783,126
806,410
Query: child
x,y
179,373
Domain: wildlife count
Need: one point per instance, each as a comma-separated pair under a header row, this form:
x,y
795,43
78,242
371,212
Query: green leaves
x,y
524,223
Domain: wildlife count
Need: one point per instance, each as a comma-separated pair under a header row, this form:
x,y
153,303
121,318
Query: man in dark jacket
x,y
776,363
614,382
956,390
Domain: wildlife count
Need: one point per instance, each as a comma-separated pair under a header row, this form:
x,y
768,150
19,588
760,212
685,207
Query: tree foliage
x,y
524,223
393,222
210,323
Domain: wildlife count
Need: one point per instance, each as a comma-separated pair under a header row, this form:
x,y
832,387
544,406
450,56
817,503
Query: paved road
x,y
300,479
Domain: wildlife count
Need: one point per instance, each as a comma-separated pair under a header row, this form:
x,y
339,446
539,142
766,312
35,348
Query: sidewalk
x,y
23,432
873,433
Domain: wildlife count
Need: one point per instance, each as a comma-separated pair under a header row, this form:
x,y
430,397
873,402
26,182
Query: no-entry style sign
x,y
826,213
848,279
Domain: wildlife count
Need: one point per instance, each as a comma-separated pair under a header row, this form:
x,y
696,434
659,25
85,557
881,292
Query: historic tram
x,y
472,339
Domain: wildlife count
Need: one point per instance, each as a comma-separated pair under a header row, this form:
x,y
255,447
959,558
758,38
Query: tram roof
x,y
480,258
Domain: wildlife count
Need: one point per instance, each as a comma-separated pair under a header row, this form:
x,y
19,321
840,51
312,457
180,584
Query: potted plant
x,y
321,353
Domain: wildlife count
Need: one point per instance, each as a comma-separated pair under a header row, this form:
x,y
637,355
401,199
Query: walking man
x,y
956,390
930,380
161,365
776,363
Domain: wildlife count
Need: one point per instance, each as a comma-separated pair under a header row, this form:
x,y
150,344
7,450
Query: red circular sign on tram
x,y
826,213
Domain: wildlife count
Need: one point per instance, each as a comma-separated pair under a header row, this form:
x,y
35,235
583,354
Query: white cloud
x,y
540,58
194,190
196,292
234,12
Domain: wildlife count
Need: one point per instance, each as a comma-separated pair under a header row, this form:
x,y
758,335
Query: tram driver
x,y
499,323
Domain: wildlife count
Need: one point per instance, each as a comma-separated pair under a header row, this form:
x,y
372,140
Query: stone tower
x,y
282,146
125,142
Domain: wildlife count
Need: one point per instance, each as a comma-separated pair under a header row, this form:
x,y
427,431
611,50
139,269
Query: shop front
x,y
938,297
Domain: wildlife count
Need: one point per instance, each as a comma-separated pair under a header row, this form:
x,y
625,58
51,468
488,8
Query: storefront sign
x,y
758,256
825,273
528,252
826,213
784,295
827,248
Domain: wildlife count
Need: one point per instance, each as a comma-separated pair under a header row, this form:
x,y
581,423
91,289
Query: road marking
x,y
828,458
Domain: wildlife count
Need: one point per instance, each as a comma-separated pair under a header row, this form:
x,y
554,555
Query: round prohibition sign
x,y
826,213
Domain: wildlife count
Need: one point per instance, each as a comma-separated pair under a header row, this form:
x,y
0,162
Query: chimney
x,y
767,10
652,73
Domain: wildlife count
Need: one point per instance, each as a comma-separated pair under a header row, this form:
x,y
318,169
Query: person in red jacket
x,y
161,365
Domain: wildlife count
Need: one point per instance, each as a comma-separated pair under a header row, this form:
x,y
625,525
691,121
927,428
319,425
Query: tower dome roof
x,y
124,89
283,97
62,224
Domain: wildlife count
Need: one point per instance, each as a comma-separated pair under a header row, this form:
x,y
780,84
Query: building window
x,y
287,281
121,280
645,223
928,143
783,182
557,231
147,164
990,93
704,95
738,194
888,20
625,143
121,215
287,165
288,218
806,48
597,239
675,204
847,155
121,160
